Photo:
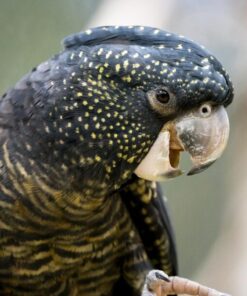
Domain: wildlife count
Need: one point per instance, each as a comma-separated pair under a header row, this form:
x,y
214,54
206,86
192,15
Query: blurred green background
x,y
204,208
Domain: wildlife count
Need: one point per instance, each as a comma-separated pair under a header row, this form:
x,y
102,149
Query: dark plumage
x,y
74,219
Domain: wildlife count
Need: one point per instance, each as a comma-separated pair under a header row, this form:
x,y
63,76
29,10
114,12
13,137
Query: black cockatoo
x,y
84,138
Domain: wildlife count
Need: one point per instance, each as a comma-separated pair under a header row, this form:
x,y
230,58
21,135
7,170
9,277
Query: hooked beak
x,y
203,133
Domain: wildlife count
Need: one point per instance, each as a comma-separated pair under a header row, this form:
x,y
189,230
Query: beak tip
x,y
199,168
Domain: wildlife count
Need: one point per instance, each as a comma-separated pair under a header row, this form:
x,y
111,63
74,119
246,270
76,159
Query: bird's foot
x,y
159,283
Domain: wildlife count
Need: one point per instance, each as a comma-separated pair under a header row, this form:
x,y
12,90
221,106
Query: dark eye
x,y
162,96
162,101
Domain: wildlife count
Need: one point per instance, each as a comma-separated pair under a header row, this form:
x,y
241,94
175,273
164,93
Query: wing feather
x,y
147,208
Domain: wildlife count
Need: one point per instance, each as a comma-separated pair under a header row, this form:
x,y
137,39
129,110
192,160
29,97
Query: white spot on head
x,y
156,32
72,56
88,32
204,61
117,67
164,71
109,53
136,65
124,52
125,64
194,81
100,51
146,56
47,129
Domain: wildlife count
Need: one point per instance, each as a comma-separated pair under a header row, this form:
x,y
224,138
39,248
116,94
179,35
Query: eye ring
x,y
205,110
162,96
162,101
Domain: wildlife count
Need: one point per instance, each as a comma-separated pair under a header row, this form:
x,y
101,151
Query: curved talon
x,y
159,284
